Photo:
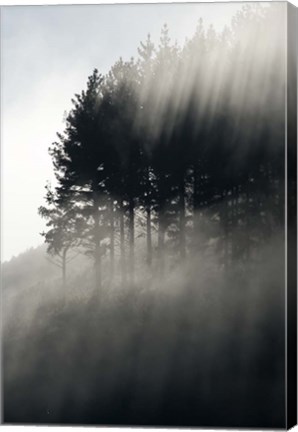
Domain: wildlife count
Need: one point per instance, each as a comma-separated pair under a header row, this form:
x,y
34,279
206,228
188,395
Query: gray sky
x,y
47,54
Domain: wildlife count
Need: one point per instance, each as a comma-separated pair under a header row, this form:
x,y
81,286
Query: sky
x,y
47,54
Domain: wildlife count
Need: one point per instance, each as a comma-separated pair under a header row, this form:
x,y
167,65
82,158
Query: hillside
x,y
161,352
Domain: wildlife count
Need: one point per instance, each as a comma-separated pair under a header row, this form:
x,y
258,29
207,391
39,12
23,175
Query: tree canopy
x,y
175,152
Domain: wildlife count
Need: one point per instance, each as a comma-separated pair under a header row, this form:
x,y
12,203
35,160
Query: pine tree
x,y
79,162
64,230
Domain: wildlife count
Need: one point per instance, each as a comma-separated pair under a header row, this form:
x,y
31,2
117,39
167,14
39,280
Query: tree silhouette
x,y
176,144
64,228
78,160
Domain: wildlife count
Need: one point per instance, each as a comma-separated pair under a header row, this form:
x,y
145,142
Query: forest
x,y
168,207
177,151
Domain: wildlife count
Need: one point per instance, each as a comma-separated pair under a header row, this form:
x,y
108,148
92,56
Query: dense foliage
x,y
181,147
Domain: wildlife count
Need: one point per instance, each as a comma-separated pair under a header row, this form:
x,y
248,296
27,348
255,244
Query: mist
x,y
158,297
201,346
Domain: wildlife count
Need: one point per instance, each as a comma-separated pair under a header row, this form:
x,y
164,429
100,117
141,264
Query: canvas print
x,y
149,214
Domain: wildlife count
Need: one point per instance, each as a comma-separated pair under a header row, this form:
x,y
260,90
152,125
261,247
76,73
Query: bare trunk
x,y
226,230
234,227
148,218
112,240
64,268
195,206
247,215
131,239
97,257
149,236
161,241
122,242
182,218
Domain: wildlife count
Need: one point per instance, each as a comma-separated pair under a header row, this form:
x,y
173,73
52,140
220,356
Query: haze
x,y
47,54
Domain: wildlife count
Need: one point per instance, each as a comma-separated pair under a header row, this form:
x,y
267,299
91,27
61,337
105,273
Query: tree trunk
x,y
122,242
195,206
131,239
225,223
97,257
182,218
112,240
148,217
234,230
149,236
247,216
64,268
161,241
